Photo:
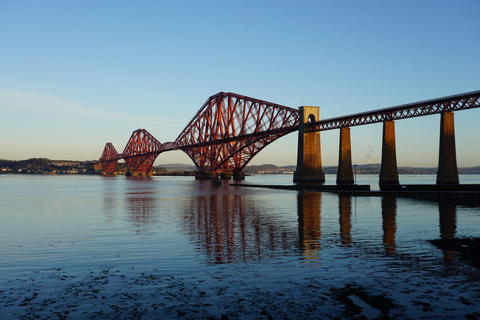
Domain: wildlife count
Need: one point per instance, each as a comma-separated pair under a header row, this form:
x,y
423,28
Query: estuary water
x,y
94,247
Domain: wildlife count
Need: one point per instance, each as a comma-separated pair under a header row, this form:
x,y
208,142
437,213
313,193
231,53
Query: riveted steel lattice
x,y
141,151
463,101
230,129
109,159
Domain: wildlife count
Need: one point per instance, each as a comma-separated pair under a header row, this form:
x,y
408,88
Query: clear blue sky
x,y
77,74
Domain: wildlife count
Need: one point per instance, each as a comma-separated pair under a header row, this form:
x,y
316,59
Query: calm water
x,y
98,247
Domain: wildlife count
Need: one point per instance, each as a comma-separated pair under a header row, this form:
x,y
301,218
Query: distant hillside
x,y
176,167
469,170
373,168
42,165
269,168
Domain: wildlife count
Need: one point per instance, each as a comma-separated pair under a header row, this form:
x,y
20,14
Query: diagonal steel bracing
x,y
109,159
230,129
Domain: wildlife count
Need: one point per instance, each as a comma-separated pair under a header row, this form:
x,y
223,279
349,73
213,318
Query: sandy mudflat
x,y
109,293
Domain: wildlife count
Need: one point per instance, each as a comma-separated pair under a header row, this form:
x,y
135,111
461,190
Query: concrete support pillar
x,y
447,160
309,161
388,169
206,175
238,175
345,172
226,175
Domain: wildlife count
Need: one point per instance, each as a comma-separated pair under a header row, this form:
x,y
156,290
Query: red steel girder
x,y
457,102
141,151
109,159
230,129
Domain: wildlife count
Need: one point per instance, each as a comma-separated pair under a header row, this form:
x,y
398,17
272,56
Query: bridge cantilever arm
x,y
272,135
250,136
168,146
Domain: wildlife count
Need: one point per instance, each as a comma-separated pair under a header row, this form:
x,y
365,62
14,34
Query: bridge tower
x,y
309,160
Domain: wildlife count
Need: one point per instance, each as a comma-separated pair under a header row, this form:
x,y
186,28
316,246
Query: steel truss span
x,y
230,129
224,135
141,151
109,159
458,102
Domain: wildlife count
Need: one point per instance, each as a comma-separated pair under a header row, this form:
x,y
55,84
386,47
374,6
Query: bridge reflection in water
x,y
309,223
227,225
389,224
231,227
345,208
448,226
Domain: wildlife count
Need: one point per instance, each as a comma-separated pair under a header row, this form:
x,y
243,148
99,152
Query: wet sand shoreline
x,y
111,293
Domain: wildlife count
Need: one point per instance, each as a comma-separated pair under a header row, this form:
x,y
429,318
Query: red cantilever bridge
x,y
224,135
230,129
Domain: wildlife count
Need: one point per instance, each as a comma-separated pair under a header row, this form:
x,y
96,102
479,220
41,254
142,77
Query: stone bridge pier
x,y
309,159
388,168
309,163
447,158
447,172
